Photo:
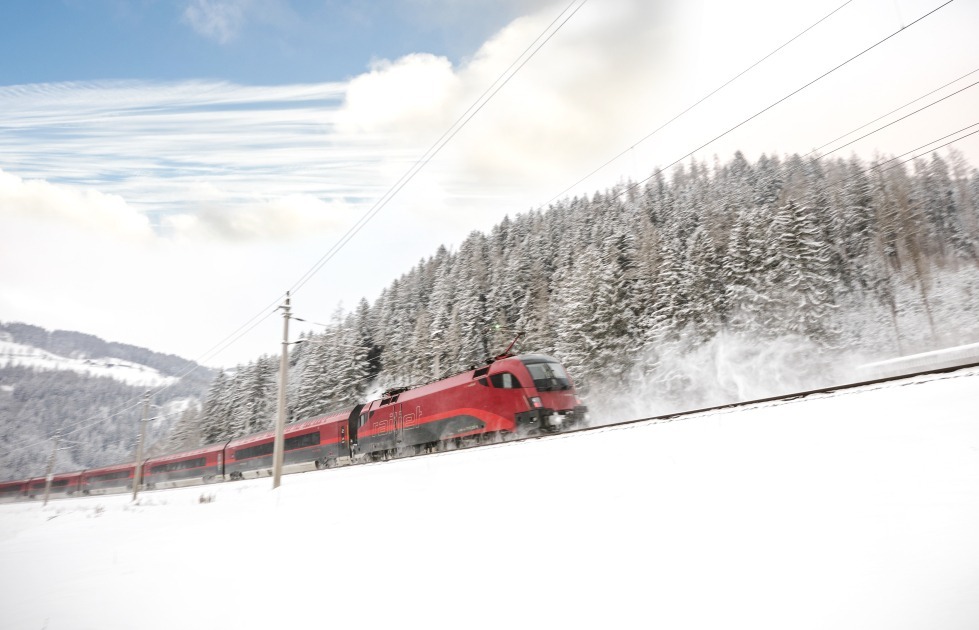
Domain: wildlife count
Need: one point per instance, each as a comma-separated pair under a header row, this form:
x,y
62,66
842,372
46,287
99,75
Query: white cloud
x,y
421,86
216,19
282,219
85,210
544,122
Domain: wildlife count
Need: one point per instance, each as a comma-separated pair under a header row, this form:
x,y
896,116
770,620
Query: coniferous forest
x,y
101,412
716,283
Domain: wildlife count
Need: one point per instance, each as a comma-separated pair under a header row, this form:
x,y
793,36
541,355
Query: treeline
x,y
98,418
630,288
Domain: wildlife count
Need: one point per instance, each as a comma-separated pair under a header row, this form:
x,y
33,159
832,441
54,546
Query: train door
x,y
363,435
353,423
399,426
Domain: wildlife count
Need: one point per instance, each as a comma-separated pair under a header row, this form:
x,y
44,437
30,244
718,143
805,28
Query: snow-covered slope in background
x,y
126,371
853,510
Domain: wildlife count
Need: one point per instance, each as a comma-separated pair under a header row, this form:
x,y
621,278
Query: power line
x,y
915,157
461,122
894,122
881,128
688,109
908,104
785,98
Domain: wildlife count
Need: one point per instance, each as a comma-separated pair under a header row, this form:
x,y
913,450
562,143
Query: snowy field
x,y
851,510
126,371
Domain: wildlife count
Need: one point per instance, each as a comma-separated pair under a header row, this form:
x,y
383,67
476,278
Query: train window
x,y
302,441
549,376
505,380
483,382
255,451
181,465
110,476
480,372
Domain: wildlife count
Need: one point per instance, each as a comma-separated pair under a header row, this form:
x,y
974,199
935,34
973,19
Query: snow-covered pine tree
x,y
800,276
318,377
579,332
216,414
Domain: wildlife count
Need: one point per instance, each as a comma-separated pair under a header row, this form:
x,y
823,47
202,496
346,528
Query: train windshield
x,y
549,376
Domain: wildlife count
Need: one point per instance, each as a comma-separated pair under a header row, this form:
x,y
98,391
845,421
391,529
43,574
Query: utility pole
x,y
49,476
280,421
138,474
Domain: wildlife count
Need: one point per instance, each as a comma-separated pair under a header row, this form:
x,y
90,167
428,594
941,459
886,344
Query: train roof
x,y
331,418
205,450
536,358
107,469
67,475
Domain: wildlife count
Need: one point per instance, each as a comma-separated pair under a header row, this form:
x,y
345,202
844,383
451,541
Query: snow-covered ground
x,y
126,371
858,510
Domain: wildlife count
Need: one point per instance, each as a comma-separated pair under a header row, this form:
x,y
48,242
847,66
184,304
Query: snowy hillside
x,y
126,371
853,510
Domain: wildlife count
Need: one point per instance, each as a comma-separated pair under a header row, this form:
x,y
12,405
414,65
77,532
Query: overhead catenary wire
x,y
699,102
767,108
895,110
791,171
894,122
915,157
439,144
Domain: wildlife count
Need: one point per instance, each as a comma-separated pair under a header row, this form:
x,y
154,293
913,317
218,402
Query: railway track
x,y
464,444
843,389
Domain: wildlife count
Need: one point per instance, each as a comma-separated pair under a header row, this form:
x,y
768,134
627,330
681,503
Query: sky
x,y
168,170
854,510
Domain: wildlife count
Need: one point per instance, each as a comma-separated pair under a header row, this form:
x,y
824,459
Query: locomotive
x,y
509,396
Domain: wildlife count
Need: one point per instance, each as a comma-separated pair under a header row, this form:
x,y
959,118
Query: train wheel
x,y
408,451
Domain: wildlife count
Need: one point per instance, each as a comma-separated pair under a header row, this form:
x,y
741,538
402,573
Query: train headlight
x,y
536,403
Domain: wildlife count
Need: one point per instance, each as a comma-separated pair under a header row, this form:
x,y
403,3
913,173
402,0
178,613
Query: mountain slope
x,y
125,371
88,391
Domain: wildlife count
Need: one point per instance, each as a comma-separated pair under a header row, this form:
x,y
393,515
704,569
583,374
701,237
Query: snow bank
x,y
849,510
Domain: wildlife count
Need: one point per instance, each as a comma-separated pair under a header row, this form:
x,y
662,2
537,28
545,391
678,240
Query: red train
x,y
510,396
